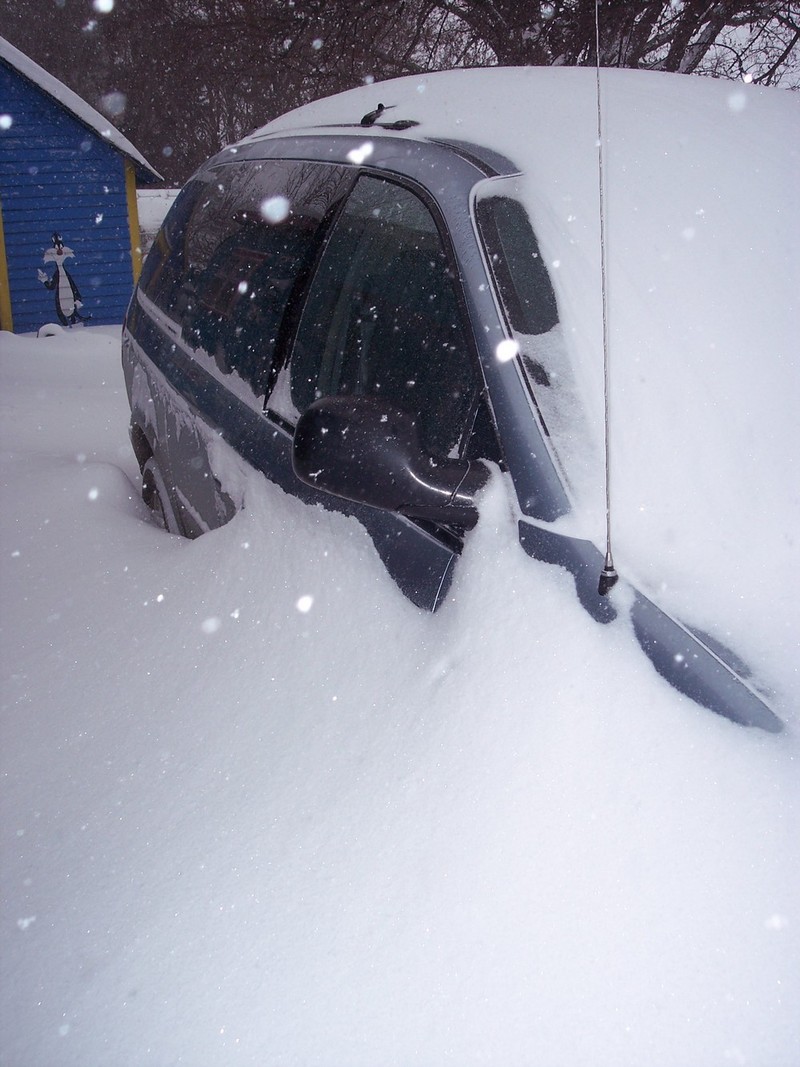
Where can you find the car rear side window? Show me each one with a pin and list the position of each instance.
(382, 317)
(246, 245)
(165, 266)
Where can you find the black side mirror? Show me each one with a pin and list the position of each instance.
(364, 449)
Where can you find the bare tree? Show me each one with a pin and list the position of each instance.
(685, 36)
(183, 77)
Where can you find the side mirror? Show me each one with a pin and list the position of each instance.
(364, 449)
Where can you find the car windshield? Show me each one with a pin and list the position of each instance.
(530, 308)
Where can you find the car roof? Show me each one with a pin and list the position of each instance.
(440, 105)
(690, 165)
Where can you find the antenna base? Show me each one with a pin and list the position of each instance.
(608, 577)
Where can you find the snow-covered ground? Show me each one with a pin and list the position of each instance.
(238, 831)
(152, 206)
(259, 809)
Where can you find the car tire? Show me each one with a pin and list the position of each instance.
(157, 498)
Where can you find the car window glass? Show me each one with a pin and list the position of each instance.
(252, 240)
(250, 236)
(165, 264)
(517, 264)
(240, 297)
(382, 317)
(527, 297)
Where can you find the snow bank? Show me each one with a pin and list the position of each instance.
(153, 205)
(703, 275)
(258, 808)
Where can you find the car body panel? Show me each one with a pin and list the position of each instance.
(455, 159)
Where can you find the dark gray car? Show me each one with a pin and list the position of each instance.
(372, 326)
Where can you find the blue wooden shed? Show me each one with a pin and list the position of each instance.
(69, 229)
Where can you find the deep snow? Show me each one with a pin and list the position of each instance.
(257, 808)
(704, 274)
(237, 831)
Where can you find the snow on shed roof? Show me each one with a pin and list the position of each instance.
(70, 100)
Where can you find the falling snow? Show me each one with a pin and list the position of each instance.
(235, 830)
(275, 209)
(361, 154)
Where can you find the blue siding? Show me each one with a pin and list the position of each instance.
(57, 175)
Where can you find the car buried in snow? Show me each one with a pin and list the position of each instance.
(380, 297)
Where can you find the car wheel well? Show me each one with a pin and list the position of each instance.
(140, 444)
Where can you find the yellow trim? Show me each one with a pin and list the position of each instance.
(6, 319)
(133, 220)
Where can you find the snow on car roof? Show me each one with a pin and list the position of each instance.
(702, 234)
(716, 154)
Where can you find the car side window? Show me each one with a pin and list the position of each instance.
(241, 295)
(238, 249)
(382, 317)
(249, 245)
(165, 266)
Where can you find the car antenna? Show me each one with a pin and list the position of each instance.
(608, 576)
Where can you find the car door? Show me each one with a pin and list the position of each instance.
(210, 313)
(383, 317)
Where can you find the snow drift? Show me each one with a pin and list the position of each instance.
(258, 808)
